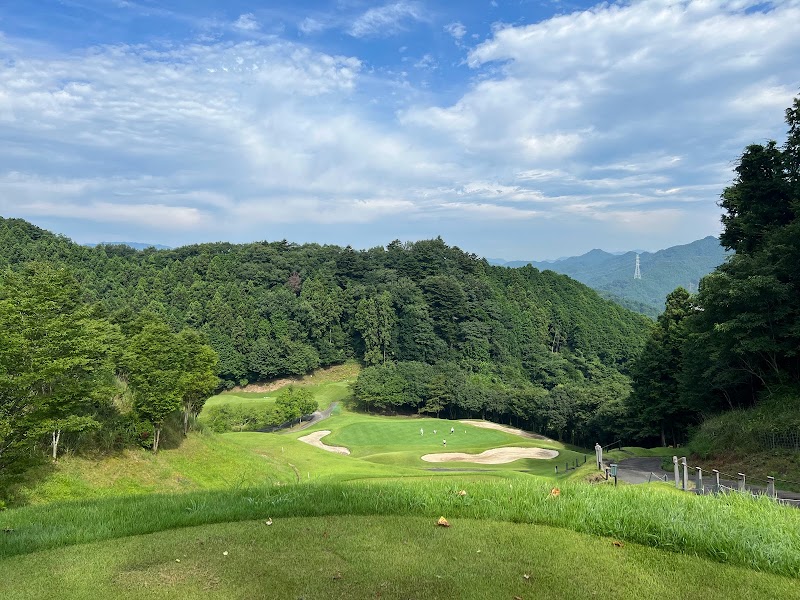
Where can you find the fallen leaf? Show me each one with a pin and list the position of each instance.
(618, 544)
(225, 553)
(177, 560)
(442, 522)
(268, 521)
(462, 493)
(555, 493)
(517, 597)
(526, 577)
(325, 535)
(337, 575)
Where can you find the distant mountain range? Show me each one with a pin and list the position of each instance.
(612, 274)
(135, 245)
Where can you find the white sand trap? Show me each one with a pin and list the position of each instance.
(315, 439)
(493, 456)
(505, 428)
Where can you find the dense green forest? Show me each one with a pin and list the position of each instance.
(663, 271)
(439, 330)
(736, 344)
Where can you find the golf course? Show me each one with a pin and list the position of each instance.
(274, 515)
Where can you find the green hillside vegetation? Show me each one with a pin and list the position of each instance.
(535, 348)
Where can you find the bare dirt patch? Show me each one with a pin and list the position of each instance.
(505, 428)
(315, 439)
(493, 456)
(322, 375)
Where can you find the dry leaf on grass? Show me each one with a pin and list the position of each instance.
(442, 522)
(526, 577)
(618, 544)
(268, 521)
(555, 493)
(337, 575)
(462, 493)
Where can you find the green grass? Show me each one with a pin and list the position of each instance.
(221, 483)
(325, 394)
(376, 557)
(745, 531)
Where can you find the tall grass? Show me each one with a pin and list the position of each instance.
(740, 530)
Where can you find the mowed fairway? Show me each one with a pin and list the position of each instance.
(325, 394)
(398, 441)
(376, 557)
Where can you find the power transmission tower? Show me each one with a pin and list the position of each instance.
(637, 274)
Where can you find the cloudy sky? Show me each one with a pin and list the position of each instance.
(513, 129)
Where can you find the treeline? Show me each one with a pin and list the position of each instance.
(737, 342)
(69, 370)
(271, 309)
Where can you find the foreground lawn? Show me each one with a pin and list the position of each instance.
(740, 530)
(376, 557)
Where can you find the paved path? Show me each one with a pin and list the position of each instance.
(639, 469)
(316, 417)
(644, 469)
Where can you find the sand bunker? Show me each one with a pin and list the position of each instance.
(315, 439)
(505, 428)
(494, 456)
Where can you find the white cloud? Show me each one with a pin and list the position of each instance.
(310, 25)
(247, 22)
(427, 62)
(386, 20)
(457, 30)
(628, 116)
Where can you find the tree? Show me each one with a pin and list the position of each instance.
(655, 405)
(375, 321)
(746, 334)
(55, 357)
(154, 372)
(198, 379)
(295, 401)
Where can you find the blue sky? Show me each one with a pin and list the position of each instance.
(521, 130)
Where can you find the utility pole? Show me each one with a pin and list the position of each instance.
(637, 274)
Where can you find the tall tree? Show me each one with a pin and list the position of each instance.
(55, 360)
(198, 379)
(155, 374)
(655, 407)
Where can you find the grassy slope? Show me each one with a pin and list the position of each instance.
(395, 483)
(324, 393)
(375, 557)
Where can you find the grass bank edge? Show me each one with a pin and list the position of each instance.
(748, 532)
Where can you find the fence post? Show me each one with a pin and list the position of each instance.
(742, 482)
(771, 488)
(598, 451)
(677, 477)
(685, 474)
(716, 481)
(556, 469)
(699, 481)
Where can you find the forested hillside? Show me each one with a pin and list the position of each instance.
(663, 271)
(452, 334)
